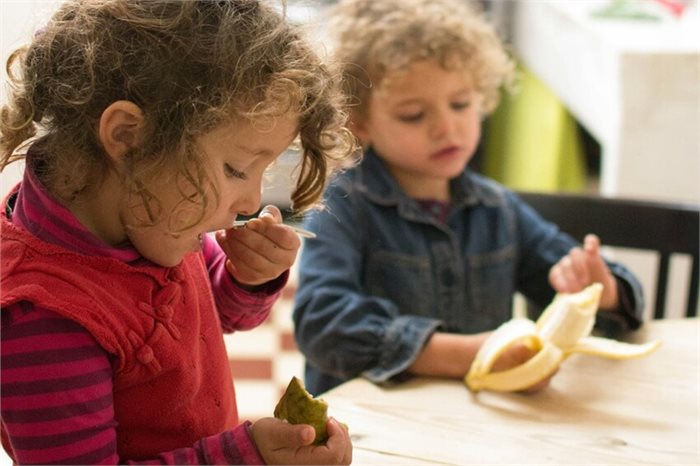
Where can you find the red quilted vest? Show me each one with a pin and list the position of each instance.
(172, 382)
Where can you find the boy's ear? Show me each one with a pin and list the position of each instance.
(120, 128)
(359, 129)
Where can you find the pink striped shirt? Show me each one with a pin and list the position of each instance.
(56, 399)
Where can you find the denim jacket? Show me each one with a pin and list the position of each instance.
(383, 274)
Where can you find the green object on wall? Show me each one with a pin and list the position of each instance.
(625, 9)
(532, 142)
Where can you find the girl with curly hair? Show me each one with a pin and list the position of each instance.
(145, 126)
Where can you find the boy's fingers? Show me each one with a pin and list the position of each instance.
(568, 272)
(579, 265)
(591, 244)
(558, 279)
(595, 260)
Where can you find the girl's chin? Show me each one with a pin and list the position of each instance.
(167, 263)
(171, 258)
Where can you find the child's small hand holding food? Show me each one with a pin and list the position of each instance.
(302, 432)
(261, 251)
(280, 442)
(580, 268)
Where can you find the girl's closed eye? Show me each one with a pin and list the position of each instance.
(231, 172)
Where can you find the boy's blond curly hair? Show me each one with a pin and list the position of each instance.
(374, 37)
(189, 65)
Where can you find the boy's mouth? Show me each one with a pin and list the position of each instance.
(445, 152)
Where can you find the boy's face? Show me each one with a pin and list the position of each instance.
(425, 123)
(236, 154)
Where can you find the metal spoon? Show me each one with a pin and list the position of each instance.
(299, 231)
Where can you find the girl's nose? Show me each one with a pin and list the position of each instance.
(247, 202)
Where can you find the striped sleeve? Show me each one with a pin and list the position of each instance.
(56, 399)
(238, 309)
(56, 394)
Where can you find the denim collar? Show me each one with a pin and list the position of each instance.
(377, 184)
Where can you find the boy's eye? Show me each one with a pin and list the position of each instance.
(231, 172)
(461, 105)
(411, 118)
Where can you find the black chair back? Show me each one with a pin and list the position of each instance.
(665, 227)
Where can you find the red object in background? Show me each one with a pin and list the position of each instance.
(675, 6)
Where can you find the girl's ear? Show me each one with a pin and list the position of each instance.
(120, 128)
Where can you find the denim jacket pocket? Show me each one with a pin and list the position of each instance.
(402, 278)
(490, 287)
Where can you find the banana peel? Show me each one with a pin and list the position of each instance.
(297, 406)
(563, 329)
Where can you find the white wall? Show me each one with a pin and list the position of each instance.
(18, 21)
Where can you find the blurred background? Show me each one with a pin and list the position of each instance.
(608, 103)
(608, 99)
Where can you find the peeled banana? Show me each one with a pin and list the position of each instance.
(563, 329)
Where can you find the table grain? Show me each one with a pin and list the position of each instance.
(596, 411)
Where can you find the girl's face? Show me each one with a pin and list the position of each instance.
(425, 124)
(236, 155)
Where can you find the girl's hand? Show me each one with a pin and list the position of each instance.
(580, 268)
(262, 250)
(282, 443)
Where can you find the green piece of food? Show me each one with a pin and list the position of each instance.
(297, 406)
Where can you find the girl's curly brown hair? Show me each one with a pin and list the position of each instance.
(189, 65)
(374, 38)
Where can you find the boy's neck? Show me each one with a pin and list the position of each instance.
(424, 189)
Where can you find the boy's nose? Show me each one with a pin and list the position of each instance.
(440, 125)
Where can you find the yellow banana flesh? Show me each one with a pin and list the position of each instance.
(613, 349)
(563, 329)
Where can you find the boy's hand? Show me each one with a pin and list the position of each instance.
(515, 356)
(262, 250)
(280, 442)
(580, 268)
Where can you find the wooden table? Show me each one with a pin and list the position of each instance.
(596, 411)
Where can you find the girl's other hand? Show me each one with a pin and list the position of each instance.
(262, 250)
(282, 443)
(580, 268)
